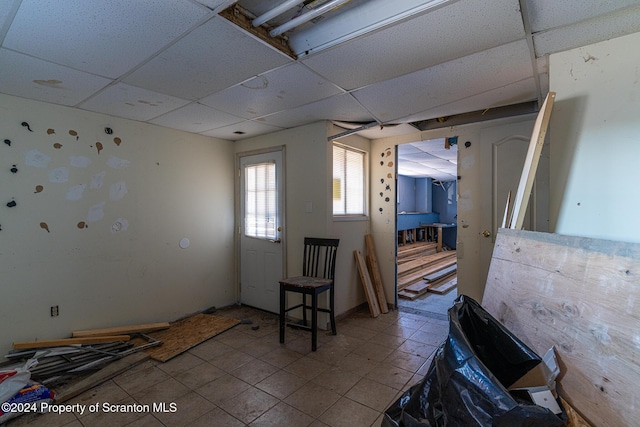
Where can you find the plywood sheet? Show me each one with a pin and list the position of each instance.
(187, 333)
(582, 296)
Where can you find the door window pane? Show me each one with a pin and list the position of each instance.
(260, 201)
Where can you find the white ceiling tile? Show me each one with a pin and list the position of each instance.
(103, 38)
(342, 107)
(122, 100)
(407, 149)
(6, 12)
(196, 118)
(548, 14)
(420, 157)
(33, 78)
(444, 83)
(588, 32)
(447, 33)
(428, 146)
(213, 57)
(242, 130)
(521, 91)
(275, 91)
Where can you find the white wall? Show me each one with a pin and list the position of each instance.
(595, 140)
(177, 185)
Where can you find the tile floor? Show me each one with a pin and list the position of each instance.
(245, 377)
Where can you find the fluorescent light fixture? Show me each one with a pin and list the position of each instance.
(276, 11)
(307, 17)
(367, 16)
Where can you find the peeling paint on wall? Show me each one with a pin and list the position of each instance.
(75, 193)
(96, 212)
(79, 161)
(58, 175)
(117, 163)
(117, 191)
(97, 180)
(36, 159)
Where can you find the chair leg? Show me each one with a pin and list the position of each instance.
(314, 322)
(282, 312)
(304, 309)
(332, 317)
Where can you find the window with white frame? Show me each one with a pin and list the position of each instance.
(348, 181)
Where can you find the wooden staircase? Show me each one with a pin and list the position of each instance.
(422, 269)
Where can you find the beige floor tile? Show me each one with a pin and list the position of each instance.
(329, 354)
(347, 413)
(307, 367)
(190, 407)
(407, 361)
(387, 340)
(434, 338)
(146, 421)
(417, 348)
(141, 380)
(281, 384)
(282, 415)
(217, 417)
(180, 363)
(222, 388)
(210, 349)
(200, 375)
(261, 346)
(357, 363)
(105, 392)
(232, 360)
(165, 391)
(249, 405)
(372, 394)
(337, 379)
(390, 375)
(400, 330)
(49, 420)
(281, 357)
(254, 372)
(115, 415)
(312, 399)
(234, 338)
(356, 331)
(374, 351)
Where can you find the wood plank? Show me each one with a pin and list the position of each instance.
(74, 388)
(443, 288)
(69, 341)
(417, 288)
(442, 273)
(582, 296)
(416, 276)
(408, 295)
(376, 275)
(507, 213)
(366, 284)
(531, 163)
(421, 262)
(121, 330)
(187, 333)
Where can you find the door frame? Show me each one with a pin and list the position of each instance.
(238, 219)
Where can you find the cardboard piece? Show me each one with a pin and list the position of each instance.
(539, 384)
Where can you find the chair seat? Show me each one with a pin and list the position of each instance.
(306, 282)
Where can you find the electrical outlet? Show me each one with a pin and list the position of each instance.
(54, 311)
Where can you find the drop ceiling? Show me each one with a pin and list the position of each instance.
(179, 64)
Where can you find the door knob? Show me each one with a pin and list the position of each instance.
(274, 241)
(486, 233)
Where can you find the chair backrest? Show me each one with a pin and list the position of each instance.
(320, 257)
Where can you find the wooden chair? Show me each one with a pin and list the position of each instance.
(318, 272)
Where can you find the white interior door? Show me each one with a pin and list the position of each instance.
(261, 229)
(503, 151)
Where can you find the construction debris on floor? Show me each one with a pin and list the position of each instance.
(90, 357)
(422, 269)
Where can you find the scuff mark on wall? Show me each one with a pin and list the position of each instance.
(44, 226)
(39, 189)
(117, 141)
(99, 146)
(82, 225)
(57, 146)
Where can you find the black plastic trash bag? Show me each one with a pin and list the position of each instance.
(466, 384)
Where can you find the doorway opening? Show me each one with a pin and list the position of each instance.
(426, 224)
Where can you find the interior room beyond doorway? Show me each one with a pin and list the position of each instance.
(427, 226)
